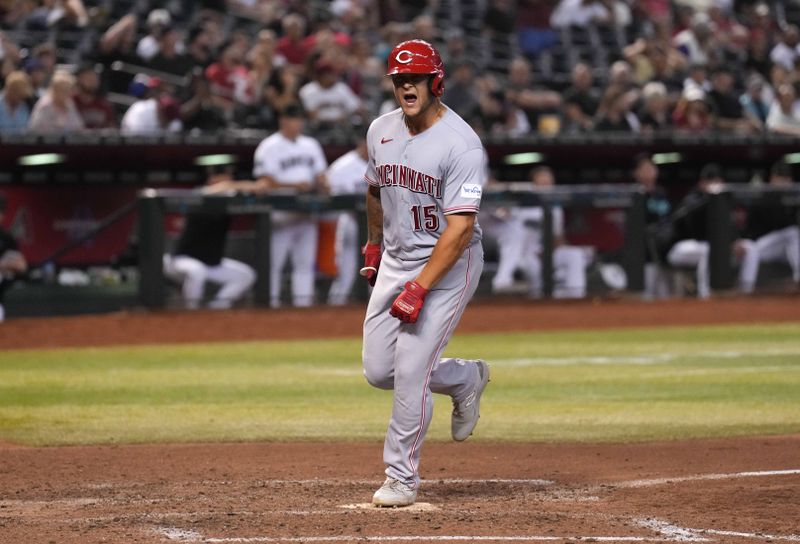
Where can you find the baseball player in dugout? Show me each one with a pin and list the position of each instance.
(289, 161)
(424, 258)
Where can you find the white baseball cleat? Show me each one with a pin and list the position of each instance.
(394, 493)
(467, 412)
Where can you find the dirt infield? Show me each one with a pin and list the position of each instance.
(715, 490)
(327, 322)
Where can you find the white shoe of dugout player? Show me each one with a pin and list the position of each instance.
(467, 412)
(394, 493)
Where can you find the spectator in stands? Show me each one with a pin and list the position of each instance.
(291, 45)
(199, 47)
(581, 100)
(56, 111)
(170, 57)
(697, 43)
(42, 61)
(697, 78)
(154, 112)
(753, 102)
(654, 58)
(691, 113)
(14, 110)
(200, 112)
(424, 28)
(119, 42)
(786, 52)
(9, 55)
(455, 50)
(535, 101)
(783, 117)
(774, 227)
(462, 95)
(497, 116)
(58, 13)
(726, 109)
(158, 21)
(39, 78)
(615, 113)
(655, 115)
(282, 88)
(657, 210)
(230, 79)
(199, 257)
(12, 262)
(328, 101)
(94, 108)
(581, 13)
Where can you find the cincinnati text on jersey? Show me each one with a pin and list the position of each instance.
(398, 175)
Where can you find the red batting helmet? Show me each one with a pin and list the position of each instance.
(418, 57)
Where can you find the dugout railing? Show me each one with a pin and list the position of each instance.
(155, 204)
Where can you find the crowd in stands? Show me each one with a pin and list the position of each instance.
(513, 68)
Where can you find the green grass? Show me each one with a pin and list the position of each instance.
(619, 385)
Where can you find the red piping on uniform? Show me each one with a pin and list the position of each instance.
(436, 353)
(461, 209)
(371, 182)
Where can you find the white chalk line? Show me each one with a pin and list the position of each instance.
(632, 484)
(643, 359)
(434, 481)
(685, 534)
(181, 535)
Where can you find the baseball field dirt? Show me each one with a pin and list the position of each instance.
(702, 490)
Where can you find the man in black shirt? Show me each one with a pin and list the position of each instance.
(12, 262)
(726, 107)
(657, 209)
(199, 257)
(774, 227)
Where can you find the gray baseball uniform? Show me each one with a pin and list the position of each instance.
(422, 178)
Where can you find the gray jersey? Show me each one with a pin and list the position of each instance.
(423, 178)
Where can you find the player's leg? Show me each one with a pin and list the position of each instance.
(280, 245)
(304, 262)
(380, 328)
(782, 245)
(235, 277)
(793, 251)
(346, 259)
(693, 253)
(570, 263)
(418, 370)
(194, 274)
(748, 267)
(510, 240)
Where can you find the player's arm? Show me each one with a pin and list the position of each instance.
(374, 216)
(448, 249)
(268, 183)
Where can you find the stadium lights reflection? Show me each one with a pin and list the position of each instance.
(41, 159)
(523, 158)
(792, 158)
(666, 158)
(215, 160)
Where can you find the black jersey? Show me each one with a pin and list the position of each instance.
(203, 237)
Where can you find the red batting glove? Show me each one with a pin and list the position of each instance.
(372, 261)
(407, 306)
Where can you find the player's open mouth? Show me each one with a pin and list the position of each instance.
(410, 99)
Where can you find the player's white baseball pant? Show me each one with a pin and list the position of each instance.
(296, 241)
(693, 253)
(778, 246)
(656, 282)
(234, 278)
(405, 357)
(511, 240)
(347, 257)
(569, 270)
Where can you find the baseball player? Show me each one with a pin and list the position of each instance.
(657, 209)
(291, 161)
(12, 262)
(520, 246)
(346, 176)
(774, 227)
(198, 258)
(424, 255)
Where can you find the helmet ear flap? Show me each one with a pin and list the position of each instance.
(437, 83)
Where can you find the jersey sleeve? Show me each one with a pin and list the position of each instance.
(464, 181)
(263, 162)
